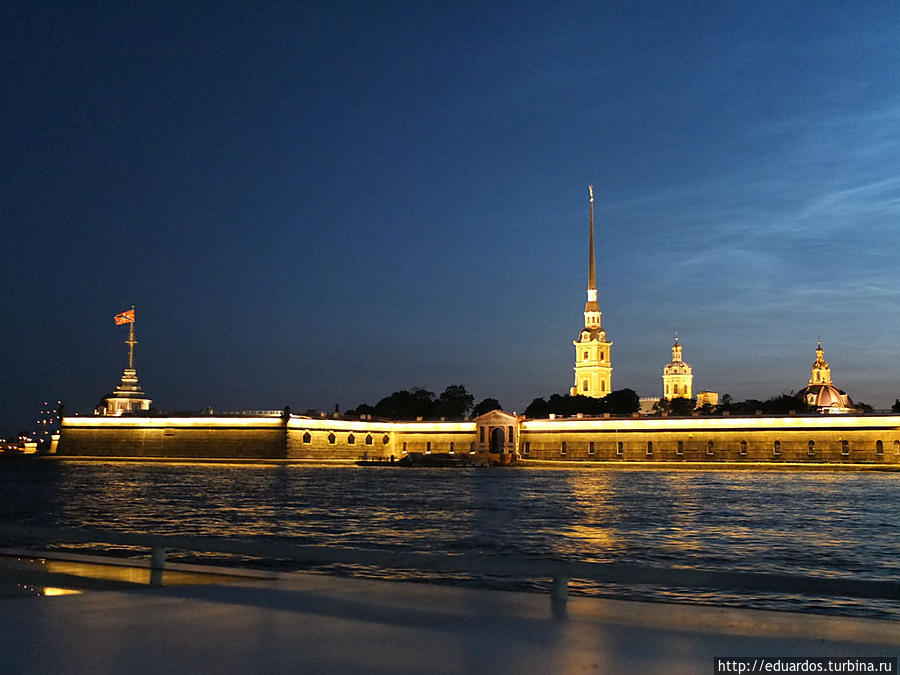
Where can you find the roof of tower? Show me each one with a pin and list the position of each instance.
(595, 334)
(825, 396)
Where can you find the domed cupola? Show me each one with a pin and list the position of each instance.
(820, 392)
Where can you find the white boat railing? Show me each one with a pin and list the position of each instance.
(559, 571)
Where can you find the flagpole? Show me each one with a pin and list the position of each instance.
(131, 341)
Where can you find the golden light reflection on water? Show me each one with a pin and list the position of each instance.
(35, 569)
(52, 591)
(773, 521)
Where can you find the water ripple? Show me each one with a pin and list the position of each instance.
(827, 524)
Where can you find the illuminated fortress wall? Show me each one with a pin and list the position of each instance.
(821, 439)
(350, 439)
(179, 437)
(257, 437)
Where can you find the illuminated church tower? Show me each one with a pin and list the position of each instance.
(821, 391)
(678, 376)
(593, 370)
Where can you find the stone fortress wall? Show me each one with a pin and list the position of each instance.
(873, 439)
(846, 439)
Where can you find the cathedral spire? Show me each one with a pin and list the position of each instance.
(593, 367)
(592, 271)
(591, 305)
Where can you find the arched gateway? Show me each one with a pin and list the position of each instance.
(498, 439)
(497, 432)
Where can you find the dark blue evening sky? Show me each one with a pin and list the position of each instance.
(313, 204)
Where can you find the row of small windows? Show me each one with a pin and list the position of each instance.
(620, 448)
(710, 448)
(601, 355)
(351, 439)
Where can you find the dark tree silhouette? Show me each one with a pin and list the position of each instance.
(360, 410)
(455, 402)
(537, 408)
(681, 406)
(623, 402)
(487, 405)
(406, 405)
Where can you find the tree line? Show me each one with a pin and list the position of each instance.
(454, 403)
(619, 402)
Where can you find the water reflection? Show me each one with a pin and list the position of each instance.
(835, 524)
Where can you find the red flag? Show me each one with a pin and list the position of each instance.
(124, 317)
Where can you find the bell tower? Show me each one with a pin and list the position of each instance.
(820, 373)
(678, 376)
(593, 367)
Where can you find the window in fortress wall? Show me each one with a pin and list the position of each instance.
(472, 448)
(743, 447)
(369, 439)
(452, 447)
(776, 449)
(649, 448)
(404, 447)
(845, 448)
(527, 447)
(679, 449)
(620, 448)
(351, 439)
(562, 448)
(811, 449)
(709, 448)
(879, 447)
(307, 437)
(897, 447)
(591, 448)
(428, 448)
(385, 439)
(331, 439)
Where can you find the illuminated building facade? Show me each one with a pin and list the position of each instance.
(707, 398)
(678, 376)
(128, 397)
(593, 351)
(820, 392)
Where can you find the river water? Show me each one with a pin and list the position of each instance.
(822, 523)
